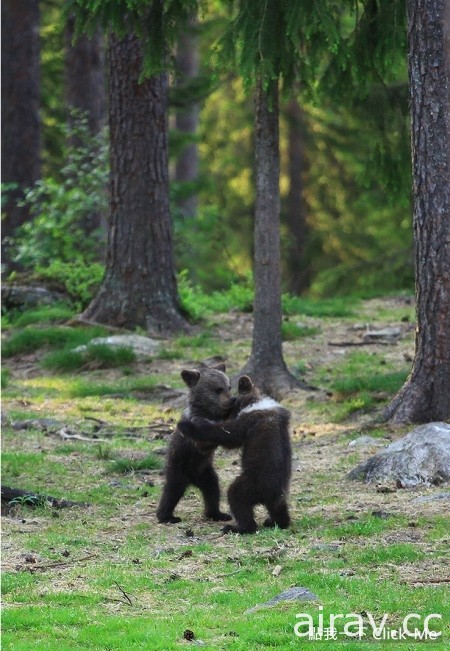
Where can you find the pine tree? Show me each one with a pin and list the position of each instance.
(139, 287)
(266, 38)
(21, 125)
(426, 395)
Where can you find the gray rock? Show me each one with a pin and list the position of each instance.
(432, 498)
(366, 441)
(385, 335)
(422, 457)
(292, 594)
(26, 296)
(142, 346)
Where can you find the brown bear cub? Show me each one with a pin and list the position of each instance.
(188, 462)
(260, 426)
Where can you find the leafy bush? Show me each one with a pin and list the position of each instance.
(79, 280)
(198, 303)
(61, 208)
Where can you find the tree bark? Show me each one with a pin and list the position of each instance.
(139, 287)
(266, 365)
(426, 395)
(21, 126)
(187, 118)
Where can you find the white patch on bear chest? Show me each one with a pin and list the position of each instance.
(264, 404)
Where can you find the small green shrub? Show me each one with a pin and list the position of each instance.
(60, 208)
(85, 388)
(197, 303)
(79, 280)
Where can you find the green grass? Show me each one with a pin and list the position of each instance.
(291, 331)
(33, 338)
(46, 314)
(83, 388)
(95, 355)
(189, 576)
(124, 466)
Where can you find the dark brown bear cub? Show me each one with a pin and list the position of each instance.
(191, 463)
(260, 426)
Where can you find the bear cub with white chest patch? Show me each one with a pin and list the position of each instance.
(191, 463)
(260, 426)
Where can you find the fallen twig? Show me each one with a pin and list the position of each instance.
(125, 594)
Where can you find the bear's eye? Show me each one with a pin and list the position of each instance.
(218, 391)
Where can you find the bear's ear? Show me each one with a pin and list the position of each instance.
(190, 377)
(219, 367)
(245, 384)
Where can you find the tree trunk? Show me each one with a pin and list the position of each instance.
(298, 276)
(426, 395)
(139, 287)
(187, 118)
(266, 365)
(85, 82)
(21, 126)
(85, 92)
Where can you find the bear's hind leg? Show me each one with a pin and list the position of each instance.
(278, 515)
(173, 491)
(208, 482)
(241, 503)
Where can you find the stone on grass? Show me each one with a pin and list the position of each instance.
(292, 594)
(366, 441)
(24, 297)
(421, 458)
(141, 346)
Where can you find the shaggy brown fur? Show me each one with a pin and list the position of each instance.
(189, 462)
(260, 426)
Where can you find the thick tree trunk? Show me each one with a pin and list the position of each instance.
(426, 395)
(21, 126)
(139, 288)
(298, 277)
(187, 119)
(266, 365)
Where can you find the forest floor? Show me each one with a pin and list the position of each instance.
(107, 576)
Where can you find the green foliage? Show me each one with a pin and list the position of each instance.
(79, 280)
(61, 208)
(95, 355)
(197, 303)
(156, 23)
(280, 39)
